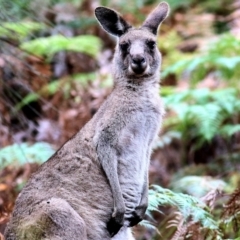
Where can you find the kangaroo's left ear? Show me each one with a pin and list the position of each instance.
(156, 17)
(111, 21)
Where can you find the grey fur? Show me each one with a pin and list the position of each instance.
(100, 176)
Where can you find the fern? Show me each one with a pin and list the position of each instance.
(189, 207)
(51, 88)
(231, 214)
(192, 218)
(228, 130)
(221, 56)
(19, 30)
(19, 154)
(202, 114)
(48, 46)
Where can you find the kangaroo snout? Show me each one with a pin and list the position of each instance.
(138, 64)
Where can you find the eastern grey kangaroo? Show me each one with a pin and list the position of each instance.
(96, 185)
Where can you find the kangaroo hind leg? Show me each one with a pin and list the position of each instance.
(52, 219)
(65, 222)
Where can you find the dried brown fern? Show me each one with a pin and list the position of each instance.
(178, 223)
(187, 229)
(231, 212)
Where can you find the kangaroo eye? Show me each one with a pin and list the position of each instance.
(151, 44)
(124, 46)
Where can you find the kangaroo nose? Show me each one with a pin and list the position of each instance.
(138, 59)
(138, 64)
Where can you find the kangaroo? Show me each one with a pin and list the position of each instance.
(96, 185)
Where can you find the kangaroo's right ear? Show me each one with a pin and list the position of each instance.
(111, 21)
(156, 17)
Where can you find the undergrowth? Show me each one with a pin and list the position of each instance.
(220, 57)
(197, 117)
(193, 218)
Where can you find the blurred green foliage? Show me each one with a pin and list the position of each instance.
(22, 153)
(221, 57)
(202, 114)
(168, 44)
(19, 30)
(16, 10)
(187, 205)
(198, 186)
(48, 46)
(64, 85)
(189, 210)
(215, 6)
(194, 218)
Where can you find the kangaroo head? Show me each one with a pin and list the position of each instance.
(136, 52)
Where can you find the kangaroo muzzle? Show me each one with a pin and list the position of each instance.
(138, 64)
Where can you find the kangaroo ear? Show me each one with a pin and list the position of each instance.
(111, 21)
(156, 17)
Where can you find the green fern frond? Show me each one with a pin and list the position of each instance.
(221, 56)
(202, 114)
(20, 154)
(189, 206)
(228, 130)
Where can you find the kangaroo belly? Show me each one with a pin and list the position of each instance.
(134, 148)
(133, 166)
